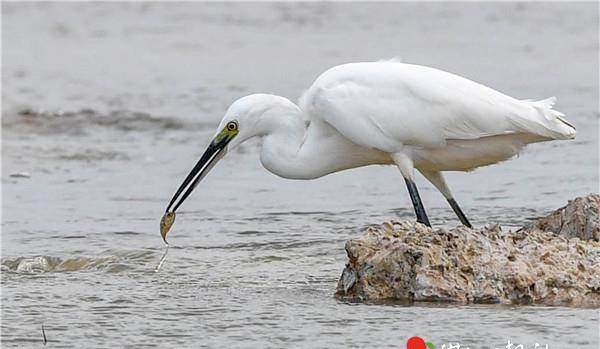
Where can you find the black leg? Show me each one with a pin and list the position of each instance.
(459, 213)
(416, 200)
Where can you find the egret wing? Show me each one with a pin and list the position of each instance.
(387, 105)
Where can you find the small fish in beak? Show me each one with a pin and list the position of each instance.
(165, 225)
(166, 222)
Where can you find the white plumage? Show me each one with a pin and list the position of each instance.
(389, 112)
(414, 105)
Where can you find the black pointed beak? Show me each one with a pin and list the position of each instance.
(215, 152)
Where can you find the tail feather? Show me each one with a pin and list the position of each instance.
(549, 122)
(547, 103)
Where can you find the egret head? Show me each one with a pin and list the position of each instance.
(247, 117)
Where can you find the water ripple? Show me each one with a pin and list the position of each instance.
(115, 263)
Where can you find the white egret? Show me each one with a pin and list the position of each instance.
(383, 113)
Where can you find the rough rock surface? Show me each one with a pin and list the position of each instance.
(580, 218)
(554, 261)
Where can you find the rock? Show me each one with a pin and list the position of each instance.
(578, 219)
(554, 261)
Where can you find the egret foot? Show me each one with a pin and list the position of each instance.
(459, 213)
(417, 204)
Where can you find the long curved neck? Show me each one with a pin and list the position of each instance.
(294, 149)
(285, 134)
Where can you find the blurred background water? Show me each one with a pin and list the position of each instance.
(106, 107)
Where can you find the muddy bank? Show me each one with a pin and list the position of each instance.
(553, 261)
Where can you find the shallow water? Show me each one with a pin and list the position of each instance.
(106, 107)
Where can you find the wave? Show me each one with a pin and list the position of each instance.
(111, 263)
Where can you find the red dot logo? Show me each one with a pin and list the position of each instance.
(416, 343)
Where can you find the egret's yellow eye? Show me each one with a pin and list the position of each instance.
(232, 126)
